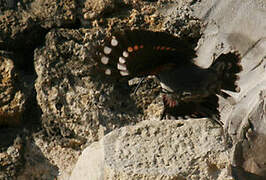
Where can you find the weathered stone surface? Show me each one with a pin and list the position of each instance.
(192, 149)
(12, 93)
(74, 103)
(25, 27)
(40, 158)
(244, 31)
(95, 8)
(250, 149)
(225, 31)
(15, 92)
(22, 29)
(67, 90)
(53, 13)
(80, 107)
(11, 153)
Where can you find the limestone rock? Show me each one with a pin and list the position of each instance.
(12, 94)
(11, 153)
(245, 32)
(24, 27)
(249, 153)
(192, 149)
(80, 107)
(74, 102)
(94, 8)
(225, 30)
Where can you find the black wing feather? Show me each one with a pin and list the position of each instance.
(151, 52)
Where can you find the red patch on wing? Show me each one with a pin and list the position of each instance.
(169, 101)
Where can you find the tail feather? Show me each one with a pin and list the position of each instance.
(227, 67)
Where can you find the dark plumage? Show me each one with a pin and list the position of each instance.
(187, 88)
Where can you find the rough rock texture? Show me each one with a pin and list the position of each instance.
(249, 152)
(157, 150)
(11, 150)
(53, 42)
(21, 30)
(93, 9)
(75, 104)
(23, 27)
(246, 112)
(12, 97)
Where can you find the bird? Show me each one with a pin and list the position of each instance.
(187, 89)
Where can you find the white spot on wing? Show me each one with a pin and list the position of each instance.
(166, 88)
(105, 60)
(125, 54)
(122, 60)
(124, 73)
(108, 72)
(114, 42)
(121, 67)
(107, 50)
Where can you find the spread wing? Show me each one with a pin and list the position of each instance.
(140, 53)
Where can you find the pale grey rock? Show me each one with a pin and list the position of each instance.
(187, 149)
(249, 150)
(237, 25)
(240, 25)
(90, 165)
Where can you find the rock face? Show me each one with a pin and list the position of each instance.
(244, 32)
(222, 33)
(157, 150)
(68, 94)
(54, 102)
(12, 98)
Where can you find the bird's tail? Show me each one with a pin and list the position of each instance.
(227, 67)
